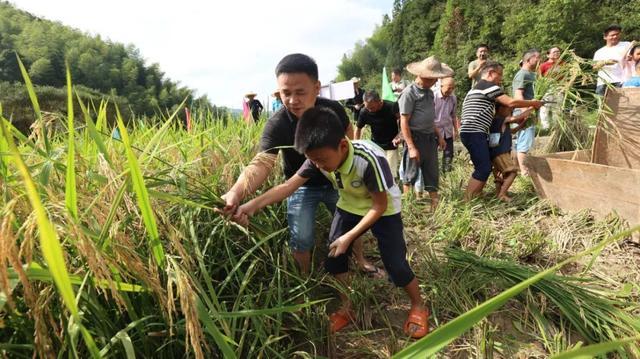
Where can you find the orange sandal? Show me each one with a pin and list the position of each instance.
(340, 319)
(420, 319)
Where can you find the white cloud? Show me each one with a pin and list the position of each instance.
(223, 48)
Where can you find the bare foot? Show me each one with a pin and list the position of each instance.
(505, 198)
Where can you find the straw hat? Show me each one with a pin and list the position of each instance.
(355, 79)
(250, 94)
(430, 68)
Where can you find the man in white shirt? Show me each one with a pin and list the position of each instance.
(609, 59)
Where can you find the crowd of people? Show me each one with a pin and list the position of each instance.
(325, 161)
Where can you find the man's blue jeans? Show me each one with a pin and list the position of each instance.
(301, 214)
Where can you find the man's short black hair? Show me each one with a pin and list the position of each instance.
(371, 95)
(317, 128)
(481, 46)
(491, 66)
(612, 27)
(296, 64)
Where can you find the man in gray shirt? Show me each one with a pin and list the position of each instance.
(417, 116)
(523, 90)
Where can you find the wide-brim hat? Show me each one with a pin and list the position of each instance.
(430, 68)
(355, 79)
(250, 93)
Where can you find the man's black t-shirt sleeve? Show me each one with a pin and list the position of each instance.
(271, 137)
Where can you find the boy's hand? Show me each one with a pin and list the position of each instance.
(441, 143)
(339, 246)
(241, 216)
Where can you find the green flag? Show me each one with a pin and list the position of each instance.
(387, 91)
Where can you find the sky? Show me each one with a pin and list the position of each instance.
(227, 48)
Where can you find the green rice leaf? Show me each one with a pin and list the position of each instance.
(142, 196)
(35, 272)
(211, 328)
(33, 98)
(93, 131)
(591, 351)
(70, 195)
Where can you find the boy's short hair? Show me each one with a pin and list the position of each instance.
(371, 95)
(481, 46)
(612, 27)
(296, 64)
(397, 71)
(317, 128)
(491, 66)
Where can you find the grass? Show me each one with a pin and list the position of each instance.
(153, 271)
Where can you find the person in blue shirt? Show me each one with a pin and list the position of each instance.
(634, 81)
(276, 104)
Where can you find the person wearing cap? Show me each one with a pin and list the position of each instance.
(277, 102)
(255, 107)
(478, 109)
(356, 103)
(417, 122)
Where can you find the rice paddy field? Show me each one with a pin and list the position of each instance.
(113, 248)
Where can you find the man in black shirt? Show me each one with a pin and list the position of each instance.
(254, 106)
(297, 77)
(382, 117)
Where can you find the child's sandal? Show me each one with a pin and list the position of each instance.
(418, 318)
(340, 319)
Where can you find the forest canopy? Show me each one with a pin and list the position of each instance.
(99, 68)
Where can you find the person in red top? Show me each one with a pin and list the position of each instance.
(548, 68)
(553, 60)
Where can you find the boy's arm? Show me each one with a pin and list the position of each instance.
(340, 245)
(274, 195)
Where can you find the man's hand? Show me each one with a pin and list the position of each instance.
(442, 144)
(414, 154)
(232, 201)
(537, 104)
(339, 246)
(397, 140)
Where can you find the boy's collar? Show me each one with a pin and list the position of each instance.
(346, 166)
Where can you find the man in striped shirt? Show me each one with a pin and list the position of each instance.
(478, 110)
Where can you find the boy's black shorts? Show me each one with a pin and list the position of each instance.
(388, 232)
